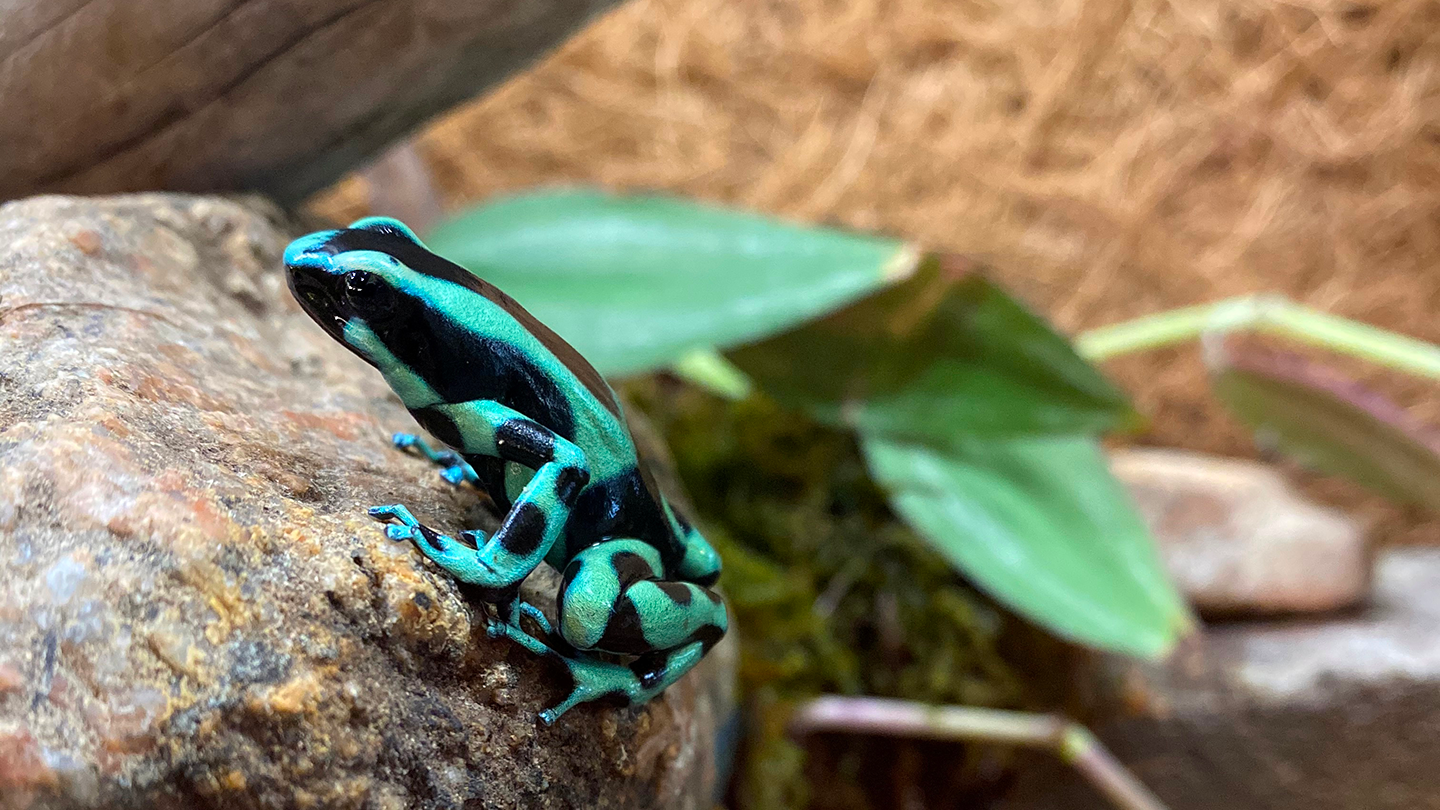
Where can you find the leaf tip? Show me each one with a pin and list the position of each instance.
(1162, 644)
(902, 265)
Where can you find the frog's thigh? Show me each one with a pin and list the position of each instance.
(615, 598)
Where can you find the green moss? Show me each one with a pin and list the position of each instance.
(830, 592)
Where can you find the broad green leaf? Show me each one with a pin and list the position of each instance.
(1328, 422)
(945, 353)
(635, 282)
(1040, 524)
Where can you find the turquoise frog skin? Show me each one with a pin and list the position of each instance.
(532, 424)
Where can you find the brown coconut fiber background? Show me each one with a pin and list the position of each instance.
(1107, 159)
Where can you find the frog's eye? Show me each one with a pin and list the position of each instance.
(367, 294)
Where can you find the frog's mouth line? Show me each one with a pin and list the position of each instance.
(313, 288)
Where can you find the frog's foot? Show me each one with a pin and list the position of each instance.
(513, 630)
(497, 627)
(406, 527)
(590, 678)
(456, 556)
(453, 468)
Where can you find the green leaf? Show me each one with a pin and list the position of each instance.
(635, 282)
(945, 353)
(1326, 421)
(1041, 525)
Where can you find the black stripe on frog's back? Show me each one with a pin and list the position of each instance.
(417, 258)
(462, 366)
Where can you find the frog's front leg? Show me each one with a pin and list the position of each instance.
(616, 598)
(453, 468)
(538, 515)
(453, 555)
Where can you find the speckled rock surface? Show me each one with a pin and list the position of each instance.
(195, 610)
(1339, 713)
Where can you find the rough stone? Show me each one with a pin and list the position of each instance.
(1314, 714)
(195, 610)
(1238, 539)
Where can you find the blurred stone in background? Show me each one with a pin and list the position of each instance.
(1331, 714)
(1239, 541)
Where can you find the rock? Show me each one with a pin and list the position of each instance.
(1238, 539)
(126, 95)
(195, 610)
(1329, 714)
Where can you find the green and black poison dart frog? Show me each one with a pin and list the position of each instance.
(538, 429)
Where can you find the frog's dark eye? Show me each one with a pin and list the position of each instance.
(367, 294)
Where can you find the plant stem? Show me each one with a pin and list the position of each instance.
(1146, 332)
(1355, 339)
(1071, 741)
(710, 370)
(1271, 315)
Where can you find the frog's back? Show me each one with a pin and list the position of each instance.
(545, 378)
(492, 348)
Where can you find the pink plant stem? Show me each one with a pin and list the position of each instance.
(1071, 741)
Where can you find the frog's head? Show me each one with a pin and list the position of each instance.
(346, 278)
(378, 290)
(372, 286)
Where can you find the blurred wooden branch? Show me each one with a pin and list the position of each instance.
(400, 186)
(205, 95)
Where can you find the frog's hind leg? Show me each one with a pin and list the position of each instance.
(629, 685)
(616, 599)
(593, 678)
